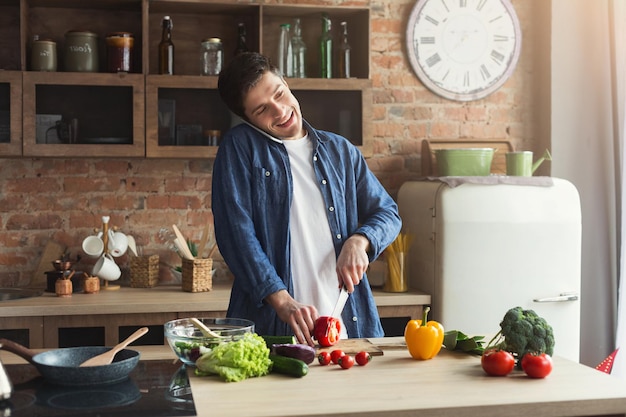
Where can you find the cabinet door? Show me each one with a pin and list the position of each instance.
(10, 113)
(80, 114)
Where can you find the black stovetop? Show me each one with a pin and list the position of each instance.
(154, 389)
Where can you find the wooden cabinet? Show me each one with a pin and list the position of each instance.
(10, 113)
(109, 316)
(109, 114)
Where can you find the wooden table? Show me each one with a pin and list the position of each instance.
(111, 310)
(449, 385)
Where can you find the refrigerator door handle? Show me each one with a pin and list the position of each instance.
(564, 296)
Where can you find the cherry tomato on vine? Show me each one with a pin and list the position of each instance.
(346, 361)
(363, 358)
(537, 365)
(324, 358)
(497, 362)
(335, 355)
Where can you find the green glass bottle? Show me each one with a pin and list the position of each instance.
(326, 49)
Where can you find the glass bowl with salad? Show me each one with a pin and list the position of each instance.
(190, 338)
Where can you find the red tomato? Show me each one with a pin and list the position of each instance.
(335, 355)
(327, 330)
(363, 358)
(537, 365)
(346, 361)
(324, 358)
(497, 362)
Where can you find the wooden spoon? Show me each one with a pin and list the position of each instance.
(204, 329)
(107, 357)
(182, 244)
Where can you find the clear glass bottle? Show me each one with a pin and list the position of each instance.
(241, 39)
(326, 49)
(166, 48)
(299, 51)
(212, 57)
(343, 56)
(285, 51)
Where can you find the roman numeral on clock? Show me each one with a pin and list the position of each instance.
(497, 56)
(432, 20)
(433, 60)
(484, 72)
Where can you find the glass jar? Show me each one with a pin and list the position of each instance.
(212, 56)
(211, 137)
(81, 51)
(43, 55)
(120, 51)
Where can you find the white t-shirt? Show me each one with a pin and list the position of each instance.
(313, 261)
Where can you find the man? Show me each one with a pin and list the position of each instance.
(297, 212)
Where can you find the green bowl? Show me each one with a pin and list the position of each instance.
(464, 162)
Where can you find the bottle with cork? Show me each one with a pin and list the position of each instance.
(343, 55)
(241, 39)
(166, 48)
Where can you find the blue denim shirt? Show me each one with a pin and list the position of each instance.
(251, 196)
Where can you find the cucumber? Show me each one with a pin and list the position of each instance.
(288, 366)
(278, 340)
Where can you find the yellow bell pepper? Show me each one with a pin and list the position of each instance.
(424, 339)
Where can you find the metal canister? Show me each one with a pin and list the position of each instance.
(120, 51)
(43, 55)
(81, 51)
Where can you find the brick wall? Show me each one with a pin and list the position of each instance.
(64, 199)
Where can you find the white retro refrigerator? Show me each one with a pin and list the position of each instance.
(479, 250)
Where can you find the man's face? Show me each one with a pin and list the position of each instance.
(271, 107)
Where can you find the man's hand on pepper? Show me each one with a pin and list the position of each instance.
(300, 317)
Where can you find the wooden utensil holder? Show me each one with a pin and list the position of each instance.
(197, 275)
(144, 271)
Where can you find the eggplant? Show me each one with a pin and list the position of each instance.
(295, 350)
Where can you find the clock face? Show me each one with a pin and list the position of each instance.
(463, 49)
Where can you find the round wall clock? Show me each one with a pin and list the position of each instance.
(463, 49)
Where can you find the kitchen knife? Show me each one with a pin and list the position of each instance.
(341, 302)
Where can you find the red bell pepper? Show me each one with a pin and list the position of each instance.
(327, 331)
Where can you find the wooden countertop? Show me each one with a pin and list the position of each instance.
(449, 385)
(158, 299)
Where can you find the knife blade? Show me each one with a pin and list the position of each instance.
(341, 302)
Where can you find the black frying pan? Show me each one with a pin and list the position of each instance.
(61, 366)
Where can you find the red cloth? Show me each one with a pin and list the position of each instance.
(607, 364)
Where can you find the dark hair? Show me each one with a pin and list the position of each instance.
(243, 73)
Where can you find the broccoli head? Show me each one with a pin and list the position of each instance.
(524, 331)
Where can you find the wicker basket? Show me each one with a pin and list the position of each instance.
(144, 271)
(197, 275)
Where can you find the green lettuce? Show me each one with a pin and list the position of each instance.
(237, 360)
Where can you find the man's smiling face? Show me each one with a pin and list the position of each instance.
(271, 107)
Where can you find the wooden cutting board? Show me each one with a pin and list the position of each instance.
(51, 253)
(354, 346)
